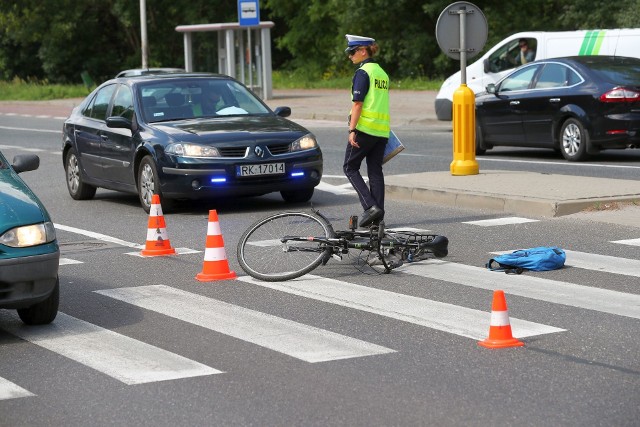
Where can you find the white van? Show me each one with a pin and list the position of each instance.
(501, 59)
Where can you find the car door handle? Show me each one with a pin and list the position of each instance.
(514, 103)
(554, 100)
(104, 137)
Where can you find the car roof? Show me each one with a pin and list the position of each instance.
(171, 76)
(145, 71)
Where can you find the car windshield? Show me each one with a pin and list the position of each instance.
(184, 99)
(620, 71)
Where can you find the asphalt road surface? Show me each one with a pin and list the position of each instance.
(139, 341)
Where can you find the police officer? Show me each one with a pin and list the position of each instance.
(368, 127)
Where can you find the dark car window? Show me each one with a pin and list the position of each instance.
(556, 75)
(97, 108)
(187, 99)
(622, 71)
(123, 103)
(519, 80)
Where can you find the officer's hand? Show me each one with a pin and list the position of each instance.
(352, 140)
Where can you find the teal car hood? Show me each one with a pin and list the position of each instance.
(18, 204)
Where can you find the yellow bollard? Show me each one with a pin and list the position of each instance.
(464, 132)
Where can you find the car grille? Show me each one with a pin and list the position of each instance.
(233, 151)
(276, 149)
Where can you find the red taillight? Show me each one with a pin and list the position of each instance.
(620, 94)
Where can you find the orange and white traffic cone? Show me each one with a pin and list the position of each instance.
(500, 329)
(216, 266)
(158, 243)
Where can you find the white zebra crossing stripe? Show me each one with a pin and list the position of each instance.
(69, 261)
(603, 300)
(335, 189)
(284, 336)
(9, 390)
(500, 221)
(608, 264)
(118, 356)
(630, 242)
(445, 317)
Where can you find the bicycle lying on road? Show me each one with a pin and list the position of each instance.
(287, 245)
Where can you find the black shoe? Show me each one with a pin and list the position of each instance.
(370, 215)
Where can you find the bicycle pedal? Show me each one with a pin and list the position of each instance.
(353, 222)
(337, 257)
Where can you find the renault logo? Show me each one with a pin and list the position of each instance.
(259, 151)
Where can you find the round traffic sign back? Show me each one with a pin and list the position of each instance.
(448, 29)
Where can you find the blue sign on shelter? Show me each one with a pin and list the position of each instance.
(248, 12)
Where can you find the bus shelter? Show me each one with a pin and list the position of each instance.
(244, 52)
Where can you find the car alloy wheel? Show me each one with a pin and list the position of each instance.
(147, 179)
(78, 190)
(574, 140)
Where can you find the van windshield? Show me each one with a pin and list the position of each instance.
(510, 55)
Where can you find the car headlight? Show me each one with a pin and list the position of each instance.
(192, 150)
(305, 143)
(29, 235)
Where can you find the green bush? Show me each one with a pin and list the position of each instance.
(20, 90)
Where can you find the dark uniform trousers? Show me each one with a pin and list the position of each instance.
(371, 149)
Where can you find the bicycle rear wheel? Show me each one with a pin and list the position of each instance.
(263, 255)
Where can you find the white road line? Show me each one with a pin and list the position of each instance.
(606, 263)
(31, 130)
(500, 221)
(445, 317)
(118, 356)
(9, 390)
(407, 229)
(15, 147)
(630, 242)
(335, 189)
(98, 236)
(105, 238)
(284, 336)
(69, 261)
(179, 251)
(602, 300)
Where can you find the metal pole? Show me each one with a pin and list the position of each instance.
(143, 34)
(463, 45)
(250, 62)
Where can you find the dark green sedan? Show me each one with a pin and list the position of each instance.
(29, 252)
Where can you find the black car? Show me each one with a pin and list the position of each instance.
(153, 135)
(576, 105)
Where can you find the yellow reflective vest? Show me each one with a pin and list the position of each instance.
(375, 119)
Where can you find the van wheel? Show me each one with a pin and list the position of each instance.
(43, 312)
(573, 140)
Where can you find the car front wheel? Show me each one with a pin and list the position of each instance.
(480, 148)
(573, 140)
(43, 312)
(149, 184)
(297, 196)
(78, 189)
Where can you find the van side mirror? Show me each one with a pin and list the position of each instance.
(491, 88)
(485, 63)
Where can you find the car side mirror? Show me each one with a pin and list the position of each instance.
(119, 122)
(25, 163)
(283, 111)
(485, 63)
(491, 88)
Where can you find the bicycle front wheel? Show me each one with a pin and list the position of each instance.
(263, 255)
